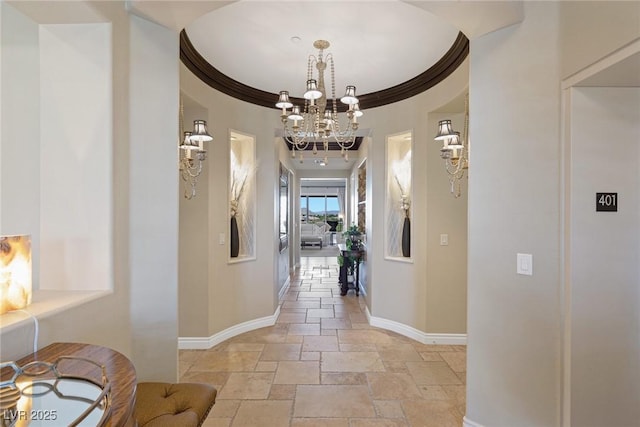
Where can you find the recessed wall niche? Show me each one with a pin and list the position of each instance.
(398, 196)
(242, 197)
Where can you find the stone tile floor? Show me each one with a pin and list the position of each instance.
(323, 365)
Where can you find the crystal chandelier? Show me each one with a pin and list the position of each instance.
(192, 153)
(455, 150)
(317, 122)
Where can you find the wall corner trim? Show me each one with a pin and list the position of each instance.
(204, 343)
(413, 333)
(283, 289)
(466, 422)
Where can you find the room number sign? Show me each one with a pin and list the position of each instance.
(606, 202)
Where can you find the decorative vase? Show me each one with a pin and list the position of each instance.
(406, 238)
(234, 238)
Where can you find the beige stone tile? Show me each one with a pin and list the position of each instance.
(361, 326)
(377, 422)
(302, 372)
(333, 401)
(216, 379)
(388, 408)
(224, 409)
(432, 373)
(456, 360)
(431, 356)
(302, 304)
(462, 376)
(217, 422)
(398, 352)
(389, 385)
(254, 413)
(358, 318)
(292, 317)
(312, 320)
(189, 356)
(434, 392)
(304, 329)
(239, 346)
(266, 366)
(294, 310)
(395, 366)
(282, 392)
(332, 300)
(340, 314)
(336, 323)
(343, 378)
(358, 347)
(320, 312)
(242, 385)
(431, 347)
(320, 343)
(276, 352)
(351, 362)
(227, 361)
(459, 347)
(314, 294)
(441, 413)
(456, 392)
(329, 332)
(294, 339)
(319, 422)
(365, 336)
(310, 355)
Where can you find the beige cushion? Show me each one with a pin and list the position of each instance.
(170, 405)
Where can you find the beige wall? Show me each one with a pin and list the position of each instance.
(140, 317)
(513, 369)
(515, 323)
(403, 292)
(592, 29)
(604, 254)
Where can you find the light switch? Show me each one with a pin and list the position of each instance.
(524, 264)
(221, 238)
(444, 240)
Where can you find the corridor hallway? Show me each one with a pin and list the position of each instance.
(322, 365)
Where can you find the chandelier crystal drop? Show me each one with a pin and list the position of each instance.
(317, 121)
(455, 150)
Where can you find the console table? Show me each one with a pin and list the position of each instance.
(119, 371)
(357, 256)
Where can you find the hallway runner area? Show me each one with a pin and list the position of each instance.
(323, 365)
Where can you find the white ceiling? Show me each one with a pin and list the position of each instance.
(375, 45)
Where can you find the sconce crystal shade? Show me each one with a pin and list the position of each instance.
(349, 97)
(283, 101)
(15, 272)
(312, 90)
(444, 130)
(200, 132)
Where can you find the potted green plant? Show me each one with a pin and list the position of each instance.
(353, 237)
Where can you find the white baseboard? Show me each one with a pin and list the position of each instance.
(284, 288)
(466, 422)
(204, 343)
(413, 333)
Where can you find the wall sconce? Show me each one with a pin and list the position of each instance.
(192, 153)
(15, 272)
(455, 149)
